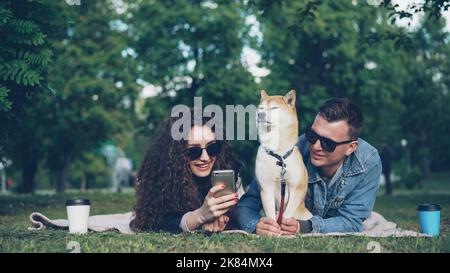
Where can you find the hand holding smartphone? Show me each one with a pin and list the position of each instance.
(225, 177)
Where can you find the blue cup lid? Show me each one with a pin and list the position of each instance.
(78, 202)
(429, 207)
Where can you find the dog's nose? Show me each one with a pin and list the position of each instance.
(261, 116)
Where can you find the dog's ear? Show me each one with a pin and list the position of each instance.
(289, 98)
(263, 95)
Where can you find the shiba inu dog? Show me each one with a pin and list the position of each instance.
(279, 166)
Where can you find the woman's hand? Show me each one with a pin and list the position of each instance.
(217, 225)
(212, 208)
(268, 226)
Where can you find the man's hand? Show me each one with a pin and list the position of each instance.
(217, 225)
(268, 226)
(289, 226)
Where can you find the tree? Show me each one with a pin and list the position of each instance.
(25, 55)
(327, 53)
(426, 95)
(94, 82)
(193, 48)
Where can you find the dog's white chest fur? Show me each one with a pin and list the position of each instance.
(267, 168)
(268, 174)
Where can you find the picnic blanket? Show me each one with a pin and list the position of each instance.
(374, 226)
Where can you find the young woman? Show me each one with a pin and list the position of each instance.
(173, 187)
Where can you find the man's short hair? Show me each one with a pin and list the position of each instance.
(337, 109)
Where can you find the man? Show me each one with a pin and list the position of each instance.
(343, 177)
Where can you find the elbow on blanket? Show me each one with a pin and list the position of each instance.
(357, 227)
(354, 225)
(342, 224)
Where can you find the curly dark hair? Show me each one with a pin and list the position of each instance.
(165, 184)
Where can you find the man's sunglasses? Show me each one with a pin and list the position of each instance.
(212, 149)
(327, 144)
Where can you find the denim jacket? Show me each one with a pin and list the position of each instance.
(340, 207)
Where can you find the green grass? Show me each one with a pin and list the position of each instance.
(400, 208)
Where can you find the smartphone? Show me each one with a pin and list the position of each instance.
(226, 177)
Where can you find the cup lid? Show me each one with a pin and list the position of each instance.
(78, 202)
(429, 207)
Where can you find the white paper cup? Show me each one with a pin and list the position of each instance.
(78, 215)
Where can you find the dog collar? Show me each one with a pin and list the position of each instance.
(280, 158)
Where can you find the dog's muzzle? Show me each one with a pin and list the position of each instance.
(262, 117)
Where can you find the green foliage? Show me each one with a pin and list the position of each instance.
(29, 33)
(89, 103)
(69, 74)
(409, 177)
(23, 60)
(19, 72)
(329, 55)
(341, 49)
(192, 49)
(25, 55)
(60, 112)
(91, 169)
(5, 16)
(425, 97)
(5, 104)
(432, 8)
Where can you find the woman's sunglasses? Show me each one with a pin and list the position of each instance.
(212, 149)
(327, 144)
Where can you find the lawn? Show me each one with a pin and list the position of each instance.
(400, 208)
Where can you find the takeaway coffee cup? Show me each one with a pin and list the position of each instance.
(78, 215)
(429, 218)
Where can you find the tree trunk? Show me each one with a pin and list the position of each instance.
(426, 166)
(425, 161)
(62, 176)
(29, 169)
(388, 183)
(83, 183)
